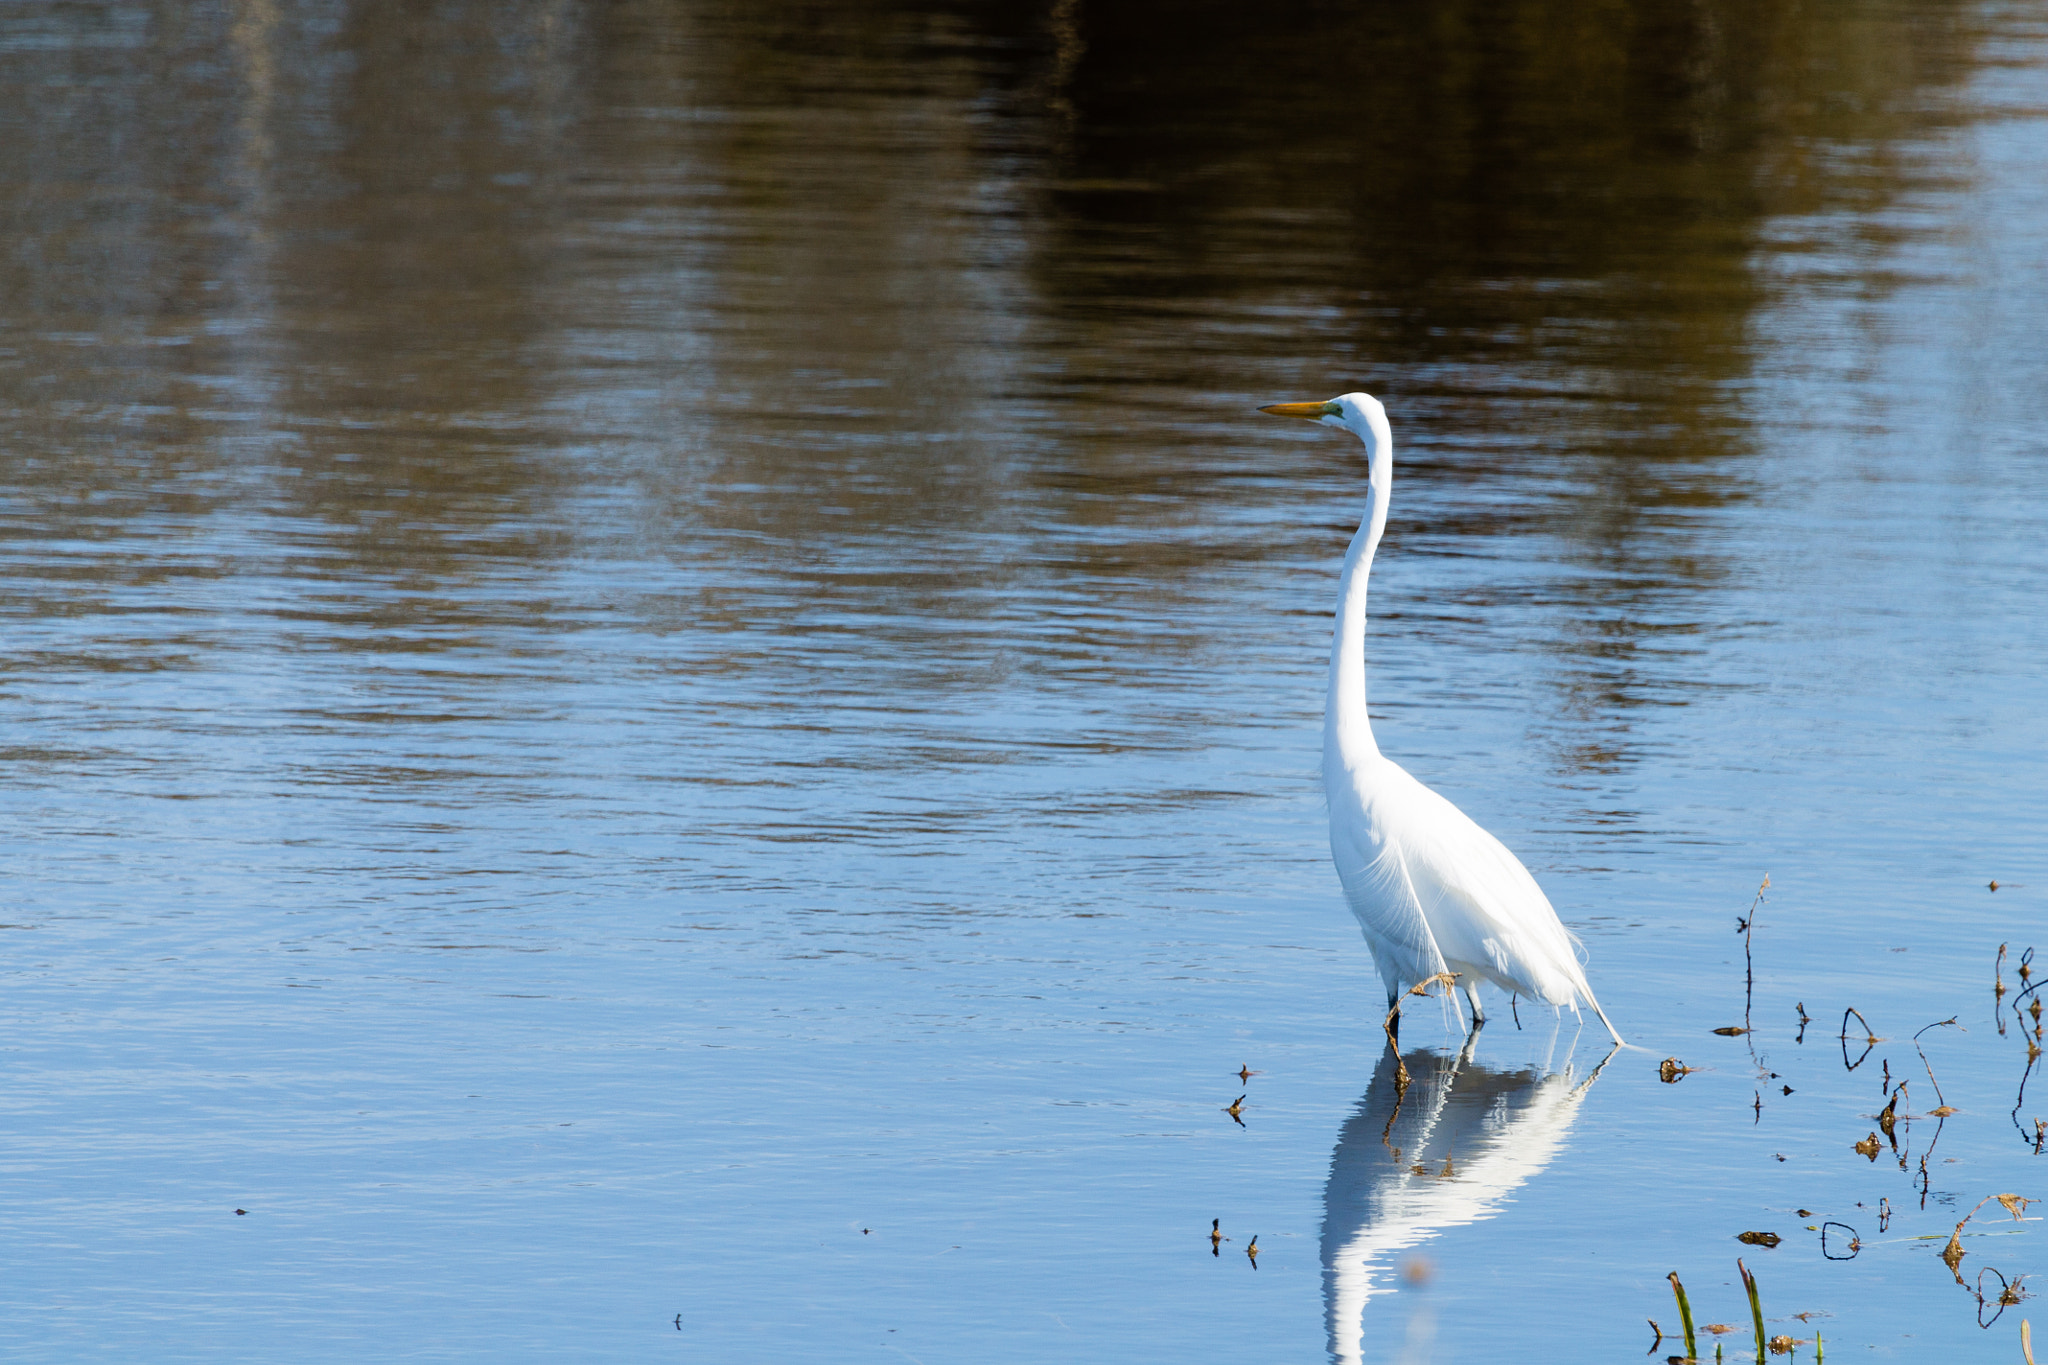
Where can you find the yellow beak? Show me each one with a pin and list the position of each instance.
(1310, 411)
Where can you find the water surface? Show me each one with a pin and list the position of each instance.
(661, 693)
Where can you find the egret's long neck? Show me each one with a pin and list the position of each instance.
(1347, 731)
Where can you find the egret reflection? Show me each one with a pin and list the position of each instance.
(1444, 1154)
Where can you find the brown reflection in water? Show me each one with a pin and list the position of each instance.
(285, 260)
(1535, 228)
(407, 232)
(944, 311)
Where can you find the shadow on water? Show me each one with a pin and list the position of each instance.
(1441, 1155)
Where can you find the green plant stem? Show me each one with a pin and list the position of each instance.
(1692, 1351)
(1756, 1310)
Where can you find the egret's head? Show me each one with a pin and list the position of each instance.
(1358, 413)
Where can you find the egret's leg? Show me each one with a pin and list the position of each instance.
(1394, 1012)
(1478, 1010)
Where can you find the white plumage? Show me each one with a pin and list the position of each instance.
(1432, 890)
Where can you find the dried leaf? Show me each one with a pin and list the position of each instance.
(1719, 1329)
(1952, 1254)
(1759, 1239)
(1671, 1070)
(1941, 1111)
(2015, 1205)
(1731, 1032)
(1870, 1146)
(1782, 1345)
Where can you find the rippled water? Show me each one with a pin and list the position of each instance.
(661, 694)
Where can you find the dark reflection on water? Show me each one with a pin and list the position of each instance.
(919, 312)
(1444, 1153)
(681, 567)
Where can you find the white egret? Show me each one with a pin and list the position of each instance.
(1433, 891)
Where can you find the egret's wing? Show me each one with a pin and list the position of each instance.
(1382, 894)
(1481, 905)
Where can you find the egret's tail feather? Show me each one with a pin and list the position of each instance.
(1611, 1032)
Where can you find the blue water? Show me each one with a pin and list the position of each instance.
(662, 695)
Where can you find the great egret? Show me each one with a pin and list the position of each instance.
(1433, 891)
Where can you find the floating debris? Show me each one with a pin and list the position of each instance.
(1887, 1117)
(1234, 1109)
(1855, 1243)
(1745, 925)
(1952, 1254)
(1993, 1289)
(1939, 1098)
(1870, 1040)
